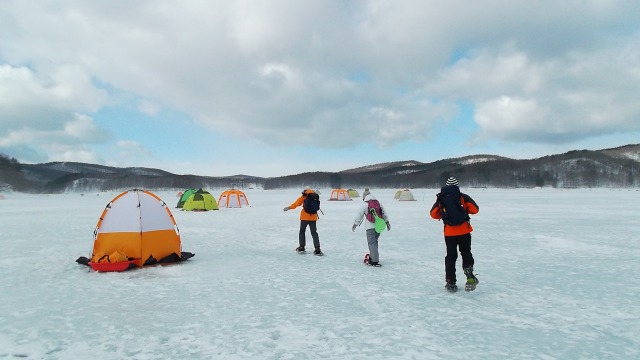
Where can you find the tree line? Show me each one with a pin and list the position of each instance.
(570, 170)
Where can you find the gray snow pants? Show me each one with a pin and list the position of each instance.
(302, 239)
(372, 241)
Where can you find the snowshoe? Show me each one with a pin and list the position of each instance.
(367, 261)
(471, 283)
(472, 280)
(451, 287)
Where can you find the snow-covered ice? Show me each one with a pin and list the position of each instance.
(557, 272)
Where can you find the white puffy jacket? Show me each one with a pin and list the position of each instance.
(360, 217)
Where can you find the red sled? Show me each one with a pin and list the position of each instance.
(114, 266)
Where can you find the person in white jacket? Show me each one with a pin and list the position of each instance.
(364, 215)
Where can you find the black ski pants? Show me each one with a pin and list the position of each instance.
(463, 243)
(314, 233)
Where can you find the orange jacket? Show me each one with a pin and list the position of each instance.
(465, 228)
(303, 214)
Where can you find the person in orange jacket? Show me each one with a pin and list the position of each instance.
(457, 236)
(306, 219)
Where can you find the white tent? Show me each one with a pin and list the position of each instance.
(404, 195)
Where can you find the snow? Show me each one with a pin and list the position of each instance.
(476, 160)
(144, 171)
(556, 269)
(79, 168)
(384, 166)
(404, 172)
(633, 155)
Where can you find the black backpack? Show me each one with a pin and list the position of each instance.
(452, 211)
(311, 203)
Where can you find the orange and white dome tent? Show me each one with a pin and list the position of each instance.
(232, 198)
(135, 229)
(339, 195)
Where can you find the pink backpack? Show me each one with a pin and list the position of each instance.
(373, 205)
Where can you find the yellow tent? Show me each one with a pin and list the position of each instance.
(200, 200)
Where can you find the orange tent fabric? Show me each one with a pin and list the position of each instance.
(339, 195)
(138, 224)
(232, 198)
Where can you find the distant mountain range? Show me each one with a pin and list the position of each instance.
(615, 168)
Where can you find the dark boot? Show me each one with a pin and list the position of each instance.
(451, 286)
(374, 263)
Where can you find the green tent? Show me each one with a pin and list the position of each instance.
(201, 200)
(184, 197)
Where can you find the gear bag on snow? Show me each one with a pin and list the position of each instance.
(452, 211)
(311, 203)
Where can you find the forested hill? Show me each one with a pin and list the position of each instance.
(56, 177)
(616, 168)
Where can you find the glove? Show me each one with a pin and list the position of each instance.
(286, 209)
(353, 228)
(388, 226)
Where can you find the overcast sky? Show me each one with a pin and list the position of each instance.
(271, 88)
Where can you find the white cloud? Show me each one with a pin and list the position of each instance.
(18, 137)
(84, 129)
(38, 113)
(57, 141)
(82, 155)
(313, 73)
(79, 130)
(31, 98)
(488, 74)
(128, 149)
(507, 118)
(575, 96)
(150, 108)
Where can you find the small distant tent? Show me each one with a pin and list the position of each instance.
(353, 193)
(339, 195)
(405, 195)
(184, 196)
(201, 200)
(135, 229)
(233, 198)
(396, 196)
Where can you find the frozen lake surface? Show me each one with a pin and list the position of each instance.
(556, 269)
